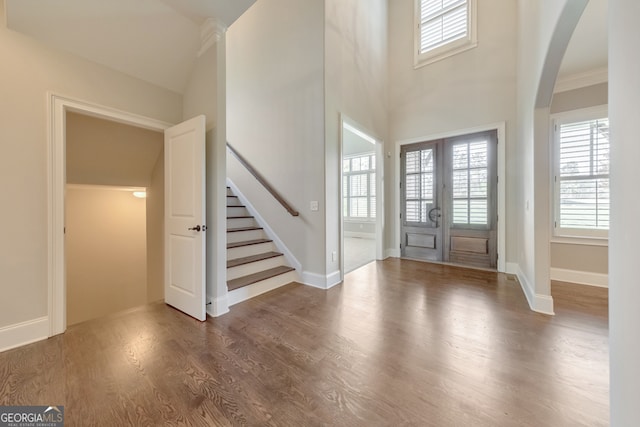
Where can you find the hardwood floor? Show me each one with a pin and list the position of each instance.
(399, 343)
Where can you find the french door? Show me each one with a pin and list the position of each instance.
(449, 200)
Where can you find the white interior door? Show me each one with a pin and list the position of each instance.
(184, 162)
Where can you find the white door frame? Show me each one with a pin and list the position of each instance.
(502, 207)
(379, 190)
(56, 137)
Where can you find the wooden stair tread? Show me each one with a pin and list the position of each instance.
(236, 206)
(239, 217)
(234, 230)
(253, 258)
(247, 243)
(257, 277)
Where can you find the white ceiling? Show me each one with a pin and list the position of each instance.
(154, 40)
(588, 48)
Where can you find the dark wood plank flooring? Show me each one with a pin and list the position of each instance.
(399, 343)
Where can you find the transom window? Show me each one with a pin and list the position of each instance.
(359, 187)
(581, 175)
(443, 28)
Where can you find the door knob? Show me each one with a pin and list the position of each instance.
(434, 214)
(196, 228)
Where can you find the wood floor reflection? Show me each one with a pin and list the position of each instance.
(398, 343)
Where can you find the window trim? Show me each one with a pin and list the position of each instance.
(559, 234)
(449, 49)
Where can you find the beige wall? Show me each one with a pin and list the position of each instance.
(585, 258)
(201, 93)
(105, 247)
(155, 232)
(103, 152)
(474, 88)
(29, 70)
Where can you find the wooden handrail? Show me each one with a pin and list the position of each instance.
(263, 181)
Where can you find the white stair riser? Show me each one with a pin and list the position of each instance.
(254, 267)
(237, 211)
(229, 192)
(244, 251)
(243, 236)
(247, 292)
(240, 222)
(233, 201)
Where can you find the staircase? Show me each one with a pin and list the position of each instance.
(254, 265)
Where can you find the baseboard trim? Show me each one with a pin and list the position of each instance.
(391, 253)
(360, 235)
(580, 277)
(320, 281)
(537, 302)
(217, 306)
(24, 333)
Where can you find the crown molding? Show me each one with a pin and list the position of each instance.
(579, 80)
(211, 31)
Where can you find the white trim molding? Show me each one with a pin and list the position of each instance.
(537, 302)
(580, 277)
(321, 281)
(58, 106)
(23, 333)
(580, 80)
(217, 306)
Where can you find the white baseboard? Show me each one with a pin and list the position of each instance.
(580, 277)
(537, 302)
(20, 334)
(320, 281)
(360, 235)
(218, 306)
(291, 259)
(391, 253)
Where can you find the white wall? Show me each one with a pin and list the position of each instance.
(624, 292)
(29, 70)
(544, 30)
(474, 88)
(106, 252)
(355, 86)
(275, 117)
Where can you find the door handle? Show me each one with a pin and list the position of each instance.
(196, 228)
(434, 214)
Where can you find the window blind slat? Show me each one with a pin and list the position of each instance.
(441, 22)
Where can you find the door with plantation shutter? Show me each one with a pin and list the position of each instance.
(470, 235)
(420, 200)
(449, 200)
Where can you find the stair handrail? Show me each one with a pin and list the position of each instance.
(262, 181)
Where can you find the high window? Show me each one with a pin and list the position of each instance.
(359, 187)
(443, 28)
(581, 174)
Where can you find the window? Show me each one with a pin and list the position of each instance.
(581, 174)
(470, 183)
(359, 187)
(443, 28)
(419, 184)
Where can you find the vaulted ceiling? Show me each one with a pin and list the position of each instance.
(155, 40)
(158, 40)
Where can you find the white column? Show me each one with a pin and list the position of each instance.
(624, 256)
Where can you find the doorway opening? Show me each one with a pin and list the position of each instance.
(114, 204)
(449, 200)
(361, 197)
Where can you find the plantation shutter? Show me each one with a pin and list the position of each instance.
(442, 22)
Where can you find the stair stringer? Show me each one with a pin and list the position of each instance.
(288, 255)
